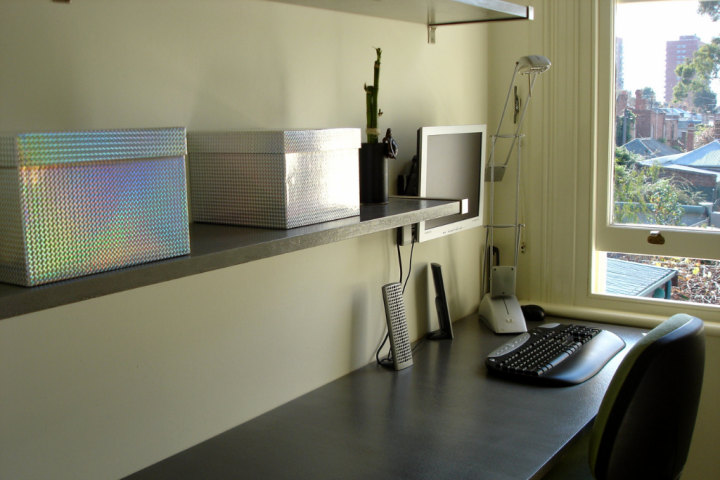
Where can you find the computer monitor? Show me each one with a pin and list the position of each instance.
(451, 164)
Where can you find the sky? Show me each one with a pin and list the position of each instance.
(645, 27)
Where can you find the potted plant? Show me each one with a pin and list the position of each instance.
(374, 154)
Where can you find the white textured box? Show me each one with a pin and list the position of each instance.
(274, 179)
(76, 203)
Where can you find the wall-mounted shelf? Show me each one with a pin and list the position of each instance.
(432, 13)
(219, 246)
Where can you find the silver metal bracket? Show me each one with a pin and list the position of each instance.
(431, 34)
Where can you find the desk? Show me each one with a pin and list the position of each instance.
(443, 418)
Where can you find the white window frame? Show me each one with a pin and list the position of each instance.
(682, 242)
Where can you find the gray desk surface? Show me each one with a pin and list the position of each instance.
(443, 418)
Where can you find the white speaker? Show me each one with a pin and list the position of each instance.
(400, 346)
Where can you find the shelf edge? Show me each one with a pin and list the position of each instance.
(16, 300)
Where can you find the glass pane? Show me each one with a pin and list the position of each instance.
(667, 137)
(673, 278)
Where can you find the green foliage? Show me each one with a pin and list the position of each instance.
(371, 101)
(703, 135)
(624, 124)
(666, 208)
(624, 157)
(707, 59)
(709, 8)
(649, 94)
(705, 99)
(641, 196)
(695, 76)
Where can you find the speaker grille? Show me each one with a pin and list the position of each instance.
(397, 325)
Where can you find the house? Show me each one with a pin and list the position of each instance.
(649, 148)
(106, 386)
(706, 157)
(670, 125)
(699, 168)
(654, 122)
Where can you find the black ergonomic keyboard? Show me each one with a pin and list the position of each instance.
(555, 354)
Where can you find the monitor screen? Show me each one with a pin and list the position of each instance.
(451, 164)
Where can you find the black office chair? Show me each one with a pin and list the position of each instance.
(646, 419)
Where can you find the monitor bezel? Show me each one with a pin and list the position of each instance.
(424, 234)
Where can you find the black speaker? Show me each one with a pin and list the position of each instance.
(397, 326)
(441, 306)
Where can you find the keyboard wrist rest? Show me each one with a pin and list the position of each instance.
(589, 360)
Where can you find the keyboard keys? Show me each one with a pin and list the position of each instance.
(543, 351)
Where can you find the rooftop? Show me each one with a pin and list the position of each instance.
(635, 279)
(705, 157)
(649, 148)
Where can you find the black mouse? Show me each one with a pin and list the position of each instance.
(533, 313)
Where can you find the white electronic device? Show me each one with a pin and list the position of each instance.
(499, 308)
(502, 314)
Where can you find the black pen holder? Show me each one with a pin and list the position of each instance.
(373, 163)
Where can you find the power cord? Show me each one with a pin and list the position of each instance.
(412, 248)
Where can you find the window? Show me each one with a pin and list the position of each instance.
(658, 230)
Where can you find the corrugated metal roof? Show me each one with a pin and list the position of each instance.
(649, 147)
(707, 156)
(635, 279)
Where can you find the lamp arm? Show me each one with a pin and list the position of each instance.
(491, 238)
(507, 98)
(522, 116)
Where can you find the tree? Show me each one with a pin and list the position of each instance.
(695, 76)
(704, 99)
(641, 196)
(704, 66)
(649, 93)
(710, 8)
(707, 59)
(703, 135)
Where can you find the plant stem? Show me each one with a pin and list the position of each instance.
(371, 102)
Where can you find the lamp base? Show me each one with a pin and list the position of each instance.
(502, 314)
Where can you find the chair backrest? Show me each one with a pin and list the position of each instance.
(646, 419)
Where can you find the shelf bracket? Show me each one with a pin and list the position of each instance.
(431, 29)
(432, 24)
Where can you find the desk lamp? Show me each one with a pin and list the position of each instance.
(499, 307)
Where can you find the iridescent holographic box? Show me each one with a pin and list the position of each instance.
(76, 203)
(274, 179)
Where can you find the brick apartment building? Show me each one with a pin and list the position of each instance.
(676, 51)
(674, 126)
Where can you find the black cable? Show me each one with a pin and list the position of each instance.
(377, 353)
(412, 248)
(399, 261)
(386, 362)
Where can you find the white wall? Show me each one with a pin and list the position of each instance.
(104, 387)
